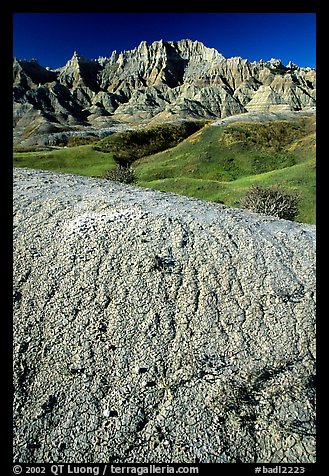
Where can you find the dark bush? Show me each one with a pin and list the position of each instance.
(132, 145)
(73, 141)
(121, 174)
(272, 201)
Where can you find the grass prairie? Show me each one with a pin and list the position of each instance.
(80, 160)
(220, 163)
(216, 163)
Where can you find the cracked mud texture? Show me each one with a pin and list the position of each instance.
(150, 327)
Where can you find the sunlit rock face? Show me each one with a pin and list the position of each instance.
(163, 81)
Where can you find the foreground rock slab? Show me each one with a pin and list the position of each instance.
(150, 327)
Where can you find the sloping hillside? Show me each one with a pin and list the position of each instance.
(221, 162)
(218, 162)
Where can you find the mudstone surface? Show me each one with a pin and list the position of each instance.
(150, 327)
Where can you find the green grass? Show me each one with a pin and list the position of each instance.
(215, 163)
(300, 178)
(222, 163)
(129, 146)
(81, 160)
(225, 153)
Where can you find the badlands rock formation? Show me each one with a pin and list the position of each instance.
(163, 81)
(150, 327)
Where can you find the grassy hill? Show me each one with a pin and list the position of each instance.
(217, 163)
(220, 163)
(131, 145)
(81, 160)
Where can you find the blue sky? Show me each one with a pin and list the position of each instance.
(52, 38)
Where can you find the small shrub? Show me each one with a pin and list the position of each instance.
(272, 201)
(73, 141)
(121, 174)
